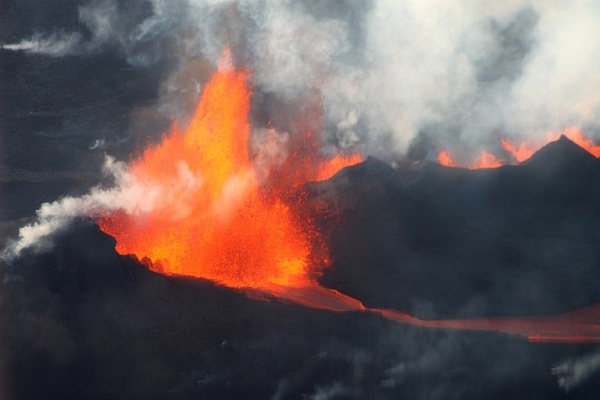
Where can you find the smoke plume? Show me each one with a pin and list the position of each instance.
(133, 196)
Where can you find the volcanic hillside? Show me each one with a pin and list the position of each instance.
(442, 242)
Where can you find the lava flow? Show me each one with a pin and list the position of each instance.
(580, 326)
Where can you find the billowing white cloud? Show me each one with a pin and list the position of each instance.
(387, 70)
(131, 194)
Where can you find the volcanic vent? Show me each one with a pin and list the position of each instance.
(219, 218)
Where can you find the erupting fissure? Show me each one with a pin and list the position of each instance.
(219, 222)
(520, 152)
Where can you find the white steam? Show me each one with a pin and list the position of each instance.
(132, 195)
(574, 372)
(389, 71)
(55, 45)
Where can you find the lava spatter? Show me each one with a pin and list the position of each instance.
(222, 226)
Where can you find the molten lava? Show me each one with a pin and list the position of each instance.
(446, 160)
(522, 151)
(525, 150)
(217, 223)
(485, 160)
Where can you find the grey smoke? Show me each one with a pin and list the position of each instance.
(102, 19)
(54, 45)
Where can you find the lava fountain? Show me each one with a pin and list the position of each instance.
(221, 224)
(522, 151)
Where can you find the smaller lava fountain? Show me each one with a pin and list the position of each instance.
(520, 152)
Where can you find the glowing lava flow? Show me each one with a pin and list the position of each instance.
(580, 326)
(525, 150)
(446, 160)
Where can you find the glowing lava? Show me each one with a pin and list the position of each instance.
(580, 326)
(446, 160)
(525, 150)
(485, 160)
(522, 151)
(217, 223)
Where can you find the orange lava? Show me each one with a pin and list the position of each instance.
(579, 138)
(216, 222)
(523, 151)
(485, 160)
(446, 160)
(580, 326)
(335, 164)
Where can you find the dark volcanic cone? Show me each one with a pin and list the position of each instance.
(446, 242)
(563, 153)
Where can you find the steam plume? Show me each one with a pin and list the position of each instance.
(133, 196)
(392, 71)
